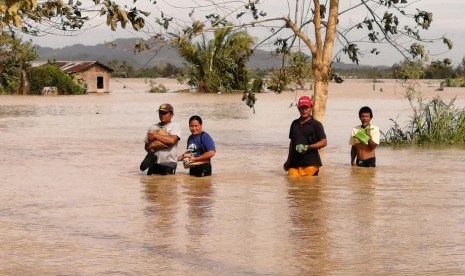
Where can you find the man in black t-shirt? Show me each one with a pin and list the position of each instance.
(307, 137)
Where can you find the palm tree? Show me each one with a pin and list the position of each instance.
(218, 64)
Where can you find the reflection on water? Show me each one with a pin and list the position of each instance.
(309, 216)
(74, 201)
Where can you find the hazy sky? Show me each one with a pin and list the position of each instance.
(448, 20)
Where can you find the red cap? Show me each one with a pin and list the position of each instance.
(304, 101)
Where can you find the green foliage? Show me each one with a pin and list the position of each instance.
(61, 16)
(50, 75)
(15, 57)
(257, 85)
(433, 122)
(279, 80)
(160, 88)
(218, 65)
(455, 82)
(439, 69)
(298, 71)
(9, 84)
(409, 70)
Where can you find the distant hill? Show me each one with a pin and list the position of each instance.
(123, 51)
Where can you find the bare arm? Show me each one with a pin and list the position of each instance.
(318, 145)
(353, 154)
(168, 140)
(204, 157)
(371, 144)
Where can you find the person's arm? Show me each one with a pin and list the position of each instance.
(147, 142)
(147, 147)
(204, 157)
(320, 136)
(168, 140)
(318, 145)
(353, 155)
(371, 143)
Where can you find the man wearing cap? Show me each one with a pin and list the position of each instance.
(166, 158)
(307, 137)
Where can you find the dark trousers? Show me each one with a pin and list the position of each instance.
(201, 170)
(370, 162)
(160, 169)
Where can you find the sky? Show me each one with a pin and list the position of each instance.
(448, 21)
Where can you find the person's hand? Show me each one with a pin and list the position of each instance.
(151, 135)
(301, 148)
(368, 130)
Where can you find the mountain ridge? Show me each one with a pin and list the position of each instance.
(123, 51)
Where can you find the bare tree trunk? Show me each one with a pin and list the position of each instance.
(322, 51)
(24, 83)
(320, 94)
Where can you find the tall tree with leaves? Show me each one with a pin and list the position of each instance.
(15, 58)
(328, 29)
(218, 64)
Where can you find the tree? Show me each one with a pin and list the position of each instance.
(296, 69)
(460, 70)
(409, 70)
(15, 58)
(319, 25)
(218, 64)
(439, 69)
(34, 17)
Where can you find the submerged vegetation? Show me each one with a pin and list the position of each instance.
(433, 122)
(456, 82)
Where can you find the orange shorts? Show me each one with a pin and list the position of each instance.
(301, 171)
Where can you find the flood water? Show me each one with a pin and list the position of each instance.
(73, 201)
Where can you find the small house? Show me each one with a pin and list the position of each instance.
(94, 74)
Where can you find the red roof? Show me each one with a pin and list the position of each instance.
(79, 66)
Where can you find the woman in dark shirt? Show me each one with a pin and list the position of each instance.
(200, 149)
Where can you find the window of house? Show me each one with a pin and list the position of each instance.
(99, 82)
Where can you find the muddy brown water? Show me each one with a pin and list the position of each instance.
(73, 201)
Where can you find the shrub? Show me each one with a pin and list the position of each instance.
(455, 82)
(9, 84)
(433, 122)
(158, 89)
(257, 85)
(50, 75)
